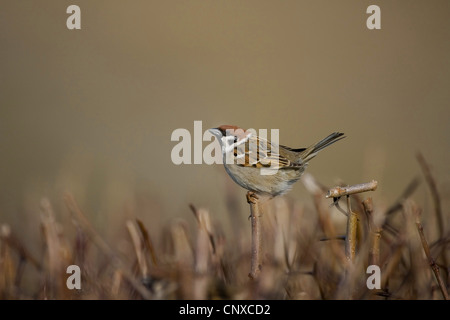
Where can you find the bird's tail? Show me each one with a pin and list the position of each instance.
(312, 151)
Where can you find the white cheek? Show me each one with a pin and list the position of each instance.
(228, 143)
(244, 140)
(227, 149)
(228, 138)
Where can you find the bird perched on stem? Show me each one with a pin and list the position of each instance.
(263, 167)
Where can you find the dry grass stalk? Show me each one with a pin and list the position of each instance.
(414, 260)
(138, 247)
(204, 249)
(10, 240)
(183, 252)
(350, 250)
(324, 218)
(352, 216)
(7, 265)
(207, 265)
(183, 258)
(116, 282)
(350, 239)
(80, 219)
(284, 246)
(436, 203)
(390, 264)
(58, 253)
(431, 261)
(375, 221)
(407, 193)
(375, 228)
(148, 244)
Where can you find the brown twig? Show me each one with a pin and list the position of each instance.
(352, 225)
(56, 251)
(8, 270)
(318, 191)
(204, 248)
(431, 261)
(350, 239)
(255, 216)
(398, 204)
(80, 218)
(340, 237)
(147, 241)
(203, 221)
(138, 247)
(337, 192)
(352, 216)
(391, 262)
(375, 230)
(436, 200)
(9, 237)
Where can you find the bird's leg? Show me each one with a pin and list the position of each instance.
(256, 261)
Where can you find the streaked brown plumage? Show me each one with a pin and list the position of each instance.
(261, 166)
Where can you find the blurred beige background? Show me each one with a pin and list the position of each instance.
(91, 112)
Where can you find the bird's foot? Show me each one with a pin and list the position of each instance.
(252, 197)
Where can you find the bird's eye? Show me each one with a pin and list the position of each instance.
(235, 139)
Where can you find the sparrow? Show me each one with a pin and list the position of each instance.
(262, 167)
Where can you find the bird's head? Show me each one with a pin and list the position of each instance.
(228, 136)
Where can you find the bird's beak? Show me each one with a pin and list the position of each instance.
(216, 132)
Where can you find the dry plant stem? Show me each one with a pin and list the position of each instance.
(205, 240)
(436, 200)
(54, 251)
(337, 192)
(79, 217)
(138, 247)
(14, 242)
(350, 240)
(434, 192)
(147, 241)
(431, 261)
(205, 225)
(398, 204)
(329, 229)
(317, 191)
(374, 255)
(374, 251)
(391, 263)
(256, 237)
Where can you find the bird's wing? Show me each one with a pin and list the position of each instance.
(260, 153)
